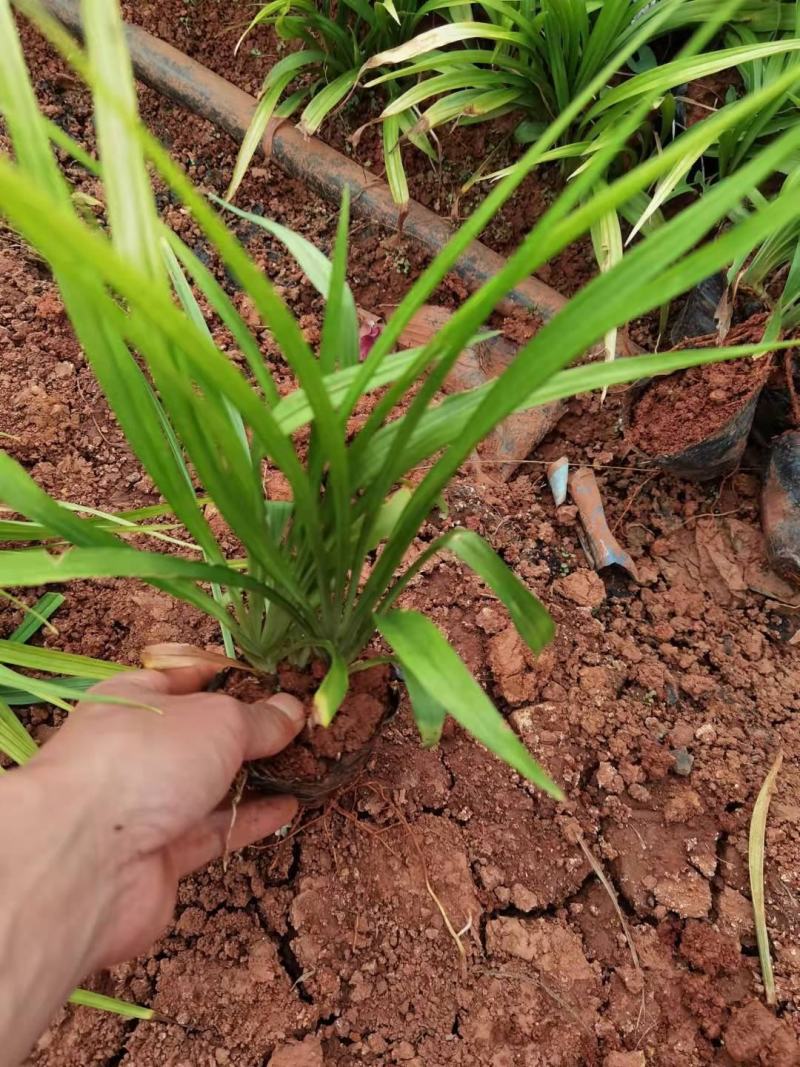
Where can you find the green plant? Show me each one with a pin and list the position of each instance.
(739, 140)
(336, 38)
(544, 53)
(776, 258)
(318, 575)
(541, 53)
(758, 266)
(537, 57)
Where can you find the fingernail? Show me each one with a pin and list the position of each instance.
(290, 707)
(287, 808)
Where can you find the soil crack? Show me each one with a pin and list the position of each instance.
(717, 883)
(291, 965)
(119, 1056)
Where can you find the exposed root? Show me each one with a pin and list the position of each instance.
(301, 978)
(239, 784)
(632, 499)
(605, 882)
(563, 1004)
(334, 807)
(594, 863)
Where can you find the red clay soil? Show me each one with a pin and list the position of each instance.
(323, 759)
(705, 96)
(680, 410)
(659, 707)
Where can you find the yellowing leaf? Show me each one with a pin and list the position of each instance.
(168, 656)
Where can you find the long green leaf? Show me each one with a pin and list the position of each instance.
(131, 206)
(443, 83)
(664, 189)
(527, 613)
(439, 38)
(55, 662)
(37, 567)
(429, 714)
(668, 75)
(467, 102)
(18, 696)
(184, 293)
(424, 653)
(282, 73)
(395, 172)
(318, 269)
(46, 691)
(325, 101)
(15, 741)
(22, 115)
(37, 616)
(85, 998)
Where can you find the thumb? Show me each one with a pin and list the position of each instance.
(271, 724)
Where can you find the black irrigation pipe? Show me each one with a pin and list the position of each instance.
(325, 170)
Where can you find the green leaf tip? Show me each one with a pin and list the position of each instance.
(328, 698)
(435, 667)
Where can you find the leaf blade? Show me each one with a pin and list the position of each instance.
(429, 714)
(422, 650)
(328, 698)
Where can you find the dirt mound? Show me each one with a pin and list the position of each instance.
(679, 410)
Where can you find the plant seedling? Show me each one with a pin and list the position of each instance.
(321, 574)
(336, 40)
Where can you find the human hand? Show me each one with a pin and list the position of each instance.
(148, 787)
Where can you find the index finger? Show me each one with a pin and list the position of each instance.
(174, 681)
(179, 681)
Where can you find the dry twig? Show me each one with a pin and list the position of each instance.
(755, 855)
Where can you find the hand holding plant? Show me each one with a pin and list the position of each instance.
(320, 575)
(121, 803)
